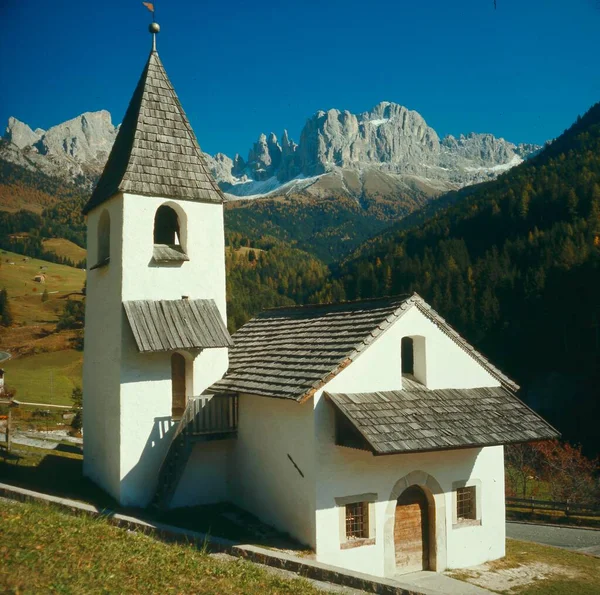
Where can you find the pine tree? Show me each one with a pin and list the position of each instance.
(6, 317)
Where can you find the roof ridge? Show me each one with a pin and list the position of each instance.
(389, 298)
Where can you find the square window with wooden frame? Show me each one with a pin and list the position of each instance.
(357, 521)
(466, 504)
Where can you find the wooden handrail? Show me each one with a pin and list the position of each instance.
(206, 417)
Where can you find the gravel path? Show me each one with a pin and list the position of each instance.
(571, 538)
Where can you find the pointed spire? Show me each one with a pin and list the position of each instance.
(156, 152)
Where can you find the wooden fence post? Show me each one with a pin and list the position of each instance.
(567, 507)
(8, 436)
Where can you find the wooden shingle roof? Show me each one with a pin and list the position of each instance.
(168, 325)
(292, 352)
(424, 420)
(156, 152)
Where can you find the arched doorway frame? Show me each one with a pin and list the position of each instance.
(436, 500)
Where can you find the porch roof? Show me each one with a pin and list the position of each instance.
(168, 325)
(424, 420)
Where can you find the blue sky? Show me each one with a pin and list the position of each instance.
(523, 71)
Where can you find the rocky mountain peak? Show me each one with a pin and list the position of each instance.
(77, 147)
(21, 135)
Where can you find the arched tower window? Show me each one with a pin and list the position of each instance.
(103, 239)
(169, 236)
(166, 227)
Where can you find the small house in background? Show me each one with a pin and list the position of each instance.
(41, 278)
(370, 431)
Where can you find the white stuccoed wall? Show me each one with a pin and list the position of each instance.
(132, 417)
(101, 362)
(206, 476)
(264, 481)
(345, 472)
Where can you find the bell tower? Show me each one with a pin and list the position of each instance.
(155, 320)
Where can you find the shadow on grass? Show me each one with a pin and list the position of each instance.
(62, 475)
(73, 448)
(55, 475)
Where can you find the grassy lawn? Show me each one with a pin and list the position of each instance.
(65, 248)
(45, 550)
(532, 569)
(46, 377)
(60, 473)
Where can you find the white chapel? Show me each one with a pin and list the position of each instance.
(369, 431)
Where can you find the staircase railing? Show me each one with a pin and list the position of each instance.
(207, 417)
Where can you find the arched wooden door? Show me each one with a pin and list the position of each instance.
(178, 384)
(411, 531)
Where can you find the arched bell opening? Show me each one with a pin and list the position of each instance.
(169, 235)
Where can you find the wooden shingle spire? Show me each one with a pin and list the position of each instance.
(156, 152)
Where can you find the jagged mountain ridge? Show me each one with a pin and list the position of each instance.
(386, 152)
(389, 142)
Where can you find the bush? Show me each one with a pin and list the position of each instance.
(77, 400)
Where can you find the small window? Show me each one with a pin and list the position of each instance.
(357, 521)
(465, 504)
(408, 356)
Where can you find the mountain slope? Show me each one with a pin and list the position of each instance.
(515, 267)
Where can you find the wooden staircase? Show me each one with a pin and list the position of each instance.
(206, 418)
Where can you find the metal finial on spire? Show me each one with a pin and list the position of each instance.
(154, 28)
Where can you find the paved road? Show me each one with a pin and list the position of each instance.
(571, 538)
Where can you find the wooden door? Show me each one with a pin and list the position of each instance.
(411, 531)
(178, 384)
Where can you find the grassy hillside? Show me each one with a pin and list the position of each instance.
(46, 550)
(44, 367)
(327, 228)
(45, 377)
(17, 274)
(65, 248)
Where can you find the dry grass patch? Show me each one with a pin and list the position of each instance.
(44, 550)
(45, 377)
(66, 249)
(532, 569)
